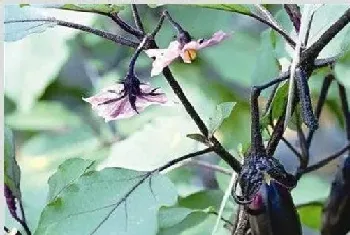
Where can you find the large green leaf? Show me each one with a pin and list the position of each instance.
(311, 215)
(32, 64)
(12, 172)
(205, 199)
(157, 143)
(16, 29)
(59, 146)
(194, 215)
(186, 180)
(112, 200)
(266, 64)
(43, 116)
(170, 216)
(97, 8)
(67, 174)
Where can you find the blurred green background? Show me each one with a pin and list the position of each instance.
(47, 74)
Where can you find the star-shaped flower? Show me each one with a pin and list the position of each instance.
(123, 100)
(187, 51)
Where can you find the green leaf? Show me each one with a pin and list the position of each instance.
(205, 199)
(196, 223)
(324, 17)
(12, 172)
(266, 65)
(239, 8)
(165, 134)
(222, 112)
(44, 116)
(67, 173)
(170, 216)
(32, 64)
(106, 201)
(194, 215)
(310, 188)
(311, 215)
(59, 146)
(186, 180)
(16, 30)
(278, 103)
(342, 69)
(96, 8)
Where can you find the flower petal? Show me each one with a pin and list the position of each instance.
(163, 57)
(216, 38)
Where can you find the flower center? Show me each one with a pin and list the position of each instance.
(190, 54)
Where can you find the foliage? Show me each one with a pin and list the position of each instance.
(92, 177)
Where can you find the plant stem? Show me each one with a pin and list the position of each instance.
(126, 27)
(325, 161)
(321, 100)
(185, 157)
(109, 36)
(294, 14)
(137, 18)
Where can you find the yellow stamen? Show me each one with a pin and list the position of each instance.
(190, 54)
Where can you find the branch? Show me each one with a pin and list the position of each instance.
(305, 156)
(291, 147)
(25, 225)
(321, 100)
(312, 52)
(345, 108)
(185, 157)
(137, 18)
(325, 161)
(125, 26)
(103, 34)
(294, 14)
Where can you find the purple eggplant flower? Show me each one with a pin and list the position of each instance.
(125, 99)
(187, 51)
